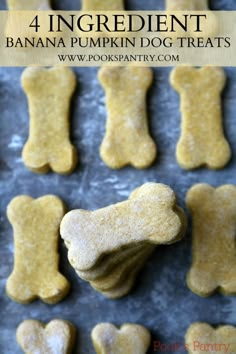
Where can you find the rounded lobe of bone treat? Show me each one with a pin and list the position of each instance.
(149, 216)
(202, 141)
(129, 339)
(127, 140)
(36, 232)
(49, 92)
(28, 5)
(186, 5)
(201, 338)
(57, 337)
(102, 5)
(214, 224)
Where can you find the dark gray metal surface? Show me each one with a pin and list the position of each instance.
(160, 300)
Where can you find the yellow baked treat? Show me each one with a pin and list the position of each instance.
(148, 216)
(129, 339)
(201, 338)
(49, 92)
(36, 232)
(214, 248)
(127, 140)
(108, 247)
(202, 140)
(102, 5)
(188, 5)
(29, 5)
(57, 337)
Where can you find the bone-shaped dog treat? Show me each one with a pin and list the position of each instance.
(129, 339)
(149, 216)
(102, 5)
(214, 247)
(187, 5)
(127, 140)
(28, 5)
(202, 140)
(49, 92)
(57, 337)
(201, 338)
(36, 232)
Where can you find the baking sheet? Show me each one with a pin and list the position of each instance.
(160, 300)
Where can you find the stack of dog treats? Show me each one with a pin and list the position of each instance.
(108, 247)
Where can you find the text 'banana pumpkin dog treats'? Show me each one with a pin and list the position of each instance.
(129, 339)
(28, 5)
(36, 233)
(107, 247)
(127, 140)
(57, 337)
(201, 338)
(214, 248)
(202, 139)
(102, 5)
(49, 92)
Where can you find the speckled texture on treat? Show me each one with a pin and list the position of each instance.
(214, 247)
(36, 232)
(127, 140)
(49, 93)
(202, 140)
(129, 339)
(170, 307)
(201, 338)
(105, 5)
(56, 337)
(28, 4)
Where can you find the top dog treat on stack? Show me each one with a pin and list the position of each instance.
(107, 247)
